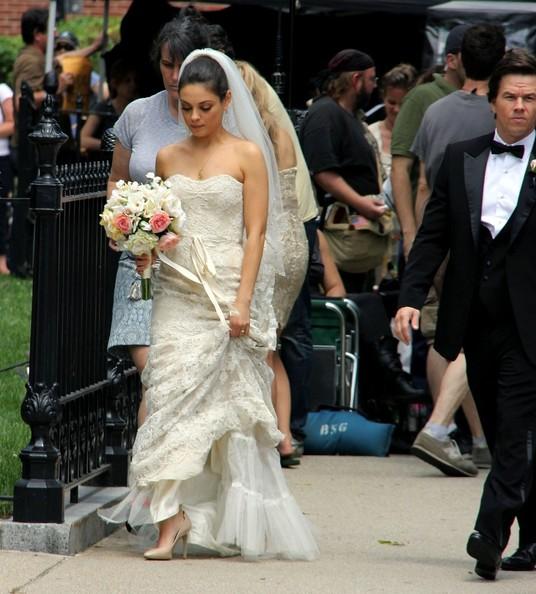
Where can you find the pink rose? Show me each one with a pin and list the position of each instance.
(168, 242)
(159, 221)
(123, 223)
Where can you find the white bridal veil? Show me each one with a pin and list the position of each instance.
(243, 120)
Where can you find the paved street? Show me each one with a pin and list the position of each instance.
(393, 526)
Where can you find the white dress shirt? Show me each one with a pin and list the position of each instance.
(502, 184)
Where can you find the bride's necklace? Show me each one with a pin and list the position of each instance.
(200, 170)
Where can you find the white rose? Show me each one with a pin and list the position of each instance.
(141, 242)
(106, 220)
(115, 198)
(172, 205)
(177, 223)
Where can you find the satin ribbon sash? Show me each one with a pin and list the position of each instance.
(204, 270)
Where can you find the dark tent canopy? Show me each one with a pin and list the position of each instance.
(391, 31)
(346, 6)
(321, 28)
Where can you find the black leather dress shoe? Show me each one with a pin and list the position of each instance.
(486, 553)
(524, 559)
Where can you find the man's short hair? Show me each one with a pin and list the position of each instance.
(483, 46)
(33, 20)
(515, 61)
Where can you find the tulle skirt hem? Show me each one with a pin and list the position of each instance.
(239, 505)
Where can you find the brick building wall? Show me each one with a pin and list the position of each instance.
(10, 11)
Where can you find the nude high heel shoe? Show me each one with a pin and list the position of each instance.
(165, 554)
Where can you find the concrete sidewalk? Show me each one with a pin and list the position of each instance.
(385, 525)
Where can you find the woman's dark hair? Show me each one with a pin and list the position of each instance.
(33, 20)
(515, 61)
(219, 40)
(205, 71)
(182, 35)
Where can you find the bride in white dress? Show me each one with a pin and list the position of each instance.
(205, 467)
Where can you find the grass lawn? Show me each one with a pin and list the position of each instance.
(15, 308)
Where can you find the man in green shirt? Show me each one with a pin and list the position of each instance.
(407, 124)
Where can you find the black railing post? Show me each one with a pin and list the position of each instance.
(20, 243)
(116, 451)
(38, 495)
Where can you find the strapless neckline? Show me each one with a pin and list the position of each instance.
(206, 179)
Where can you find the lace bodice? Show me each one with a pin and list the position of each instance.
(213, 207)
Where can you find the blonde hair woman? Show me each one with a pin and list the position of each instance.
(295, 252)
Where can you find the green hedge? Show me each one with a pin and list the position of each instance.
(9, 48)
(86, 28)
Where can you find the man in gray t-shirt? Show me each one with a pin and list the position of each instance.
(458, 116)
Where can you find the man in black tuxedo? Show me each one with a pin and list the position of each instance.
(482, 211)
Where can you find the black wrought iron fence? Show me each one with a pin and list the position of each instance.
(81, 407)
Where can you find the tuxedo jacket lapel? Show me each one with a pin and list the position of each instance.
(474, 167)
(525, 203)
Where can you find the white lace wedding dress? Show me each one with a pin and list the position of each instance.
(209, 440)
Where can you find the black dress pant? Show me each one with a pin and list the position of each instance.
(503, 382)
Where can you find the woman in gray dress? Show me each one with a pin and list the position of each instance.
(145, 126)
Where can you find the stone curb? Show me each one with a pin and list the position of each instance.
(82, 527)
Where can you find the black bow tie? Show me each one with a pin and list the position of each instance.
(498, 147)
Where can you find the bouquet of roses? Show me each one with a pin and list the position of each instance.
(137, 216)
